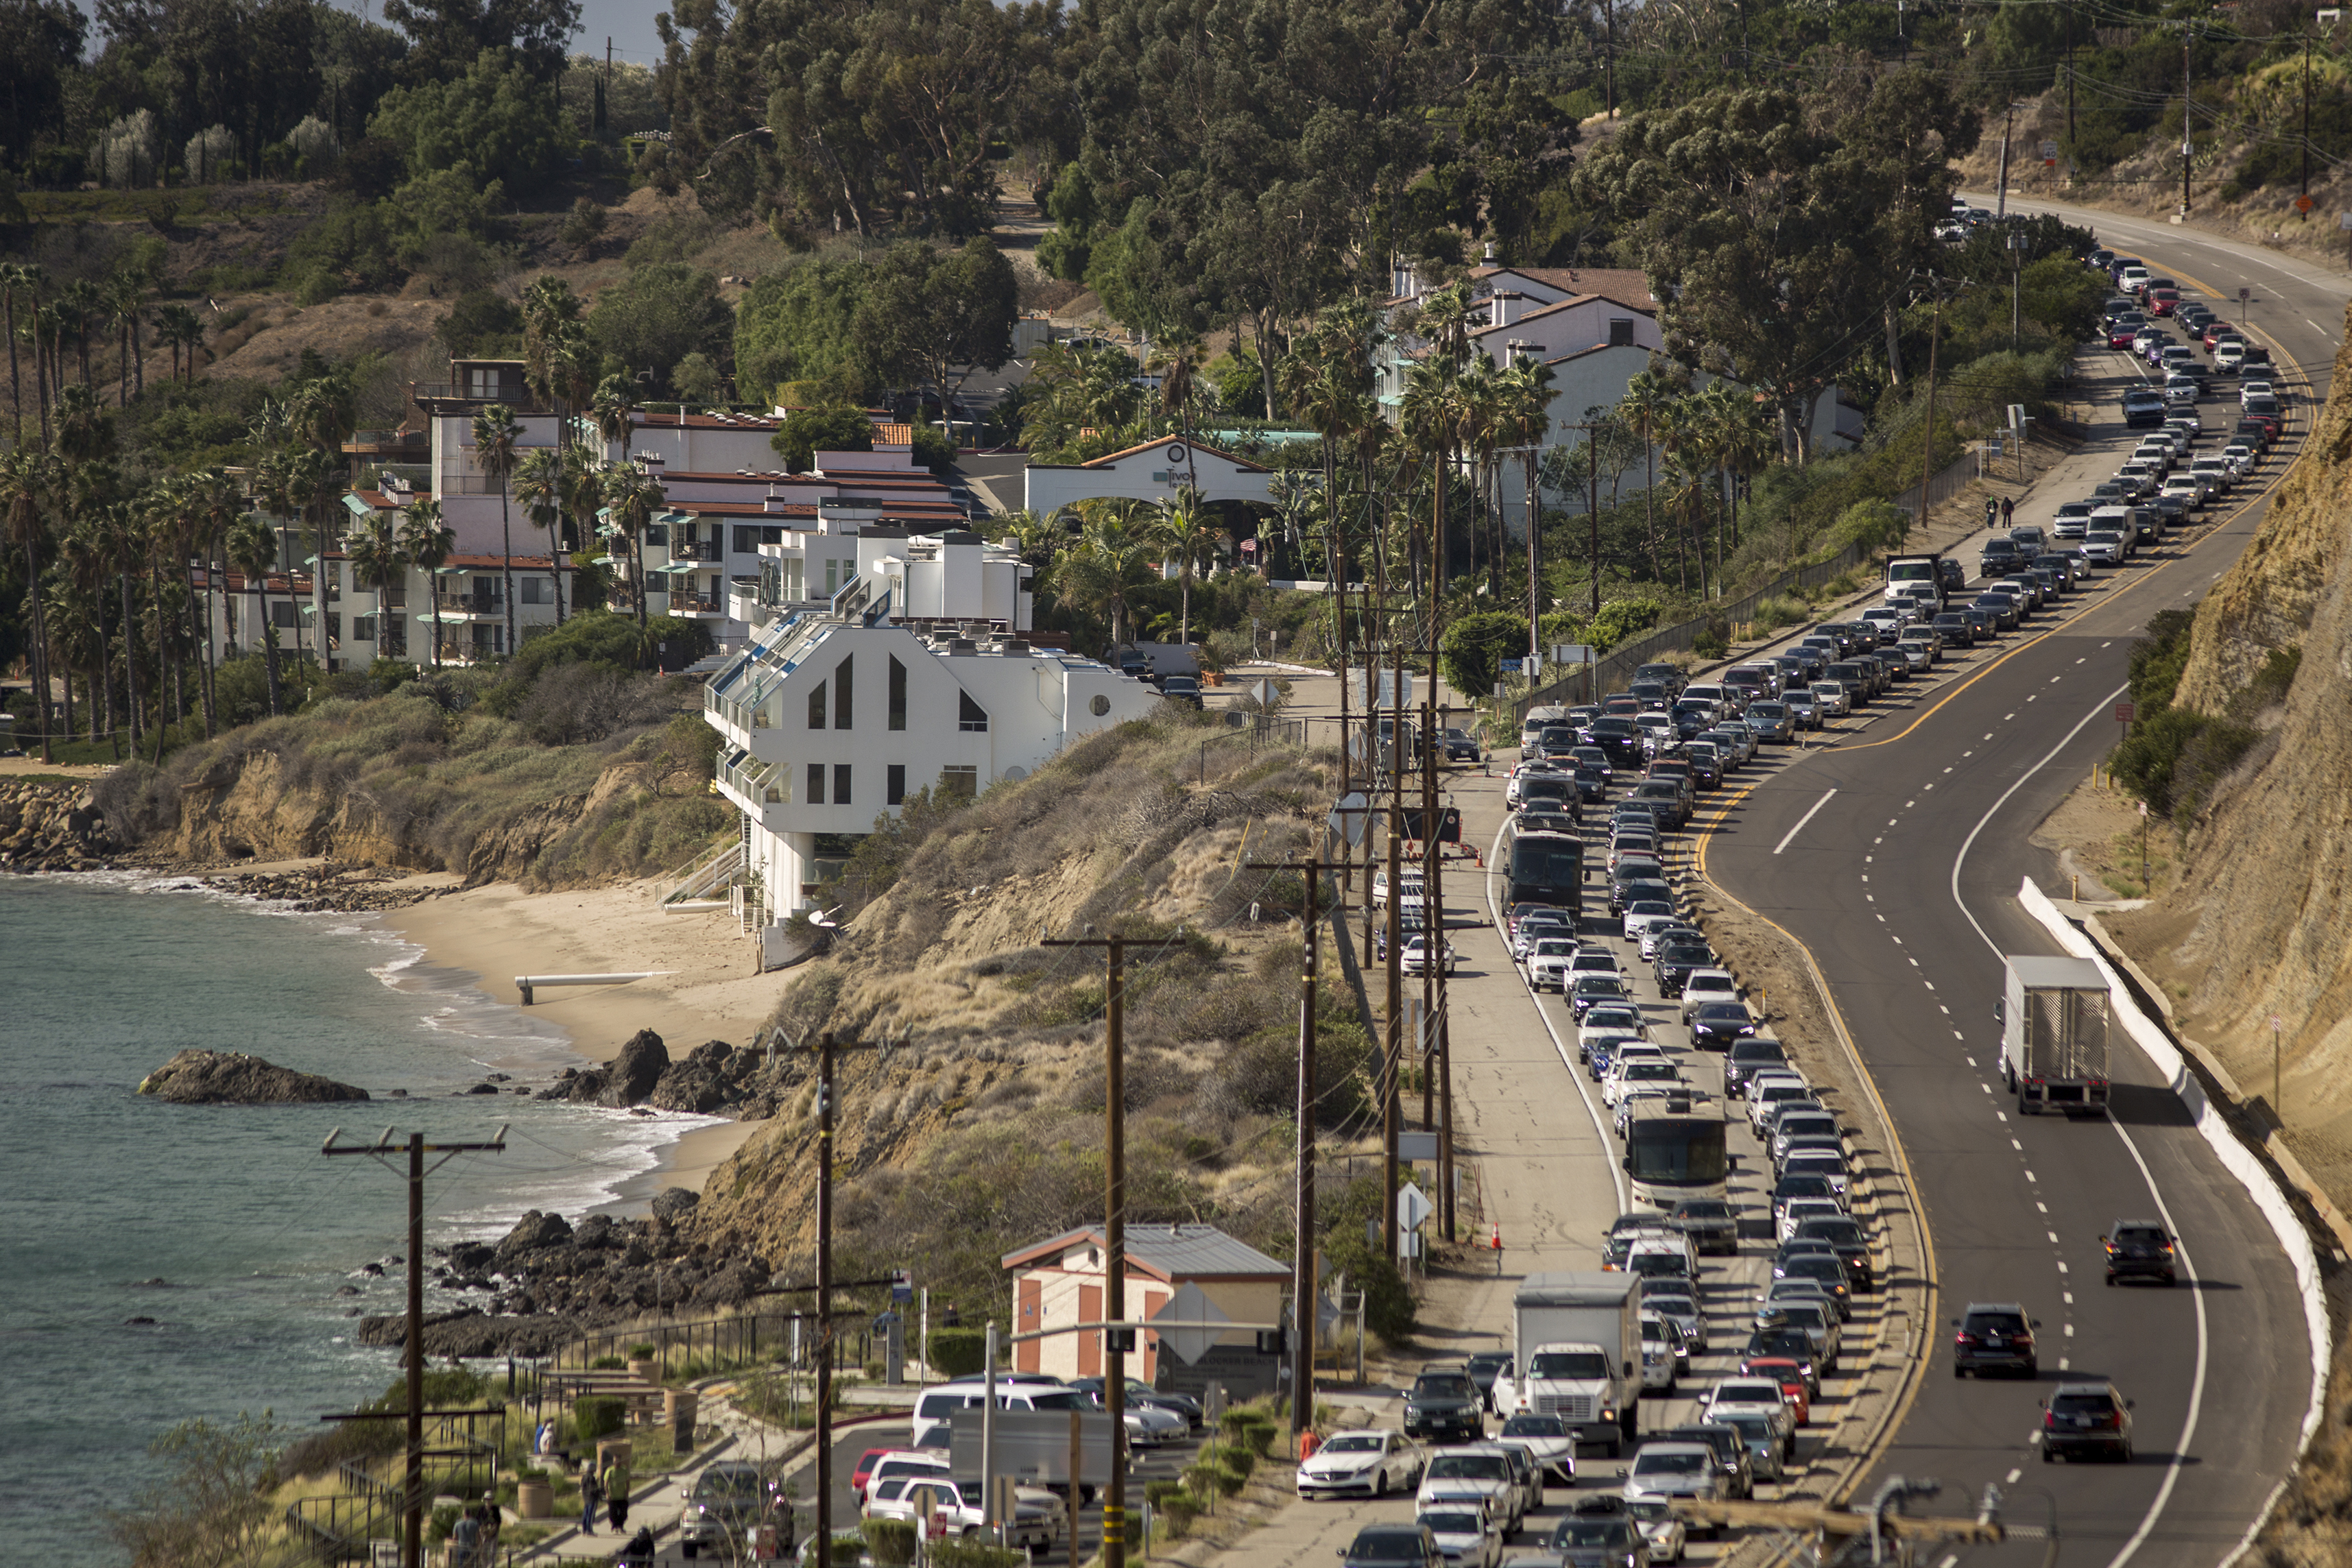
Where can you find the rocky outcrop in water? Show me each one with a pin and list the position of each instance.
(715, 1079)
(232, 1078)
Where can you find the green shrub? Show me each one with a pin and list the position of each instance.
(595, 1416)
(318, 287)
(1259, 1434)
(953, 1553)
(1177, 1513)
(1773, 613)
(643, 1352)
(892, 1541)
(608, 1364)
(958, 1352)
(1714, 641)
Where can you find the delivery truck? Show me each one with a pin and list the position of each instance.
(2054, 1034)
(1578, 1353)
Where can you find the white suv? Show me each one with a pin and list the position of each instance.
(1707, 986)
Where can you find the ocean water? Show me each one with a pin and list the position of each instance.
(259, 1240)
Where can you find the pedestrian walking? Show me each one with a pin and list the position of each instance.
(2008, 505)
(493, 1516)
(466, 1539)
(591, 1493)
(616, 1495)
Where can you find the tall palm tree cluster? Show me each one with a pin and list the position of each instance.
(1711, 439)
(55, 324)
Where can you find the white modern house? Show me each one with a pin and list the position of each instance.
(1154, 471)
(912, 673)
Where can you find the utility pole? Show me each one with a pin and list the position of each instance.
(1395, 1052)
(2000, 189)
(412, 1528)
(1116, 1341)
(2303, 196)
(2070, 91)
(1609, 69)
(2186, 148)
(1928, 450)
(824, 1300)
(1304, 1285)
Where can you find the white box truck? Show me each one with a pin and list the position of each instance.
(1577, 1352)
(2054, 1034)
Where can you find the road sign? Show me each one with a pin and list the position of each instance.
(2123, 713)
(1413, 1206)
(1350, 818)
(1266, 693)
(902, 1289)
(1190, 1304)
(1512, 666)
(2305, 204)
(1415, 1148)
(2244, 295)
(2049, 151)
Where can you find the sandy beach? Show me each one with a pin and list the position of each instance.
(708, 989)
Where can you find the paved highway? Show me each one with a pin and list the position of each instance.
(1903, 889)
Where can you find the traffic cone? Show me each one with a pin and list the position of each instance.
(1497, 1241)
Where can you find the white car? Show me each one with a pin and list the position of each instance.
(1662, 1353)
(1149, 1426)
(1595, 961)
(1707, 986)
(1548, 962)
(1665, 1471)
(2242, 458)
(1463, 1526)
(1744, 1396)
(1666, 1535)
(1644, 913)
(1680, 1310)
(957, 1506)
(1612, 1021)
(1483, 1471)
(1832, 697)
(1371, 1463)
(2250, 389)
(1639, 1076)
(1549, 1440)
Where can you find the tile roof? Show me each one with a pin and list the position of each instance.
(1172, 1251)
(1568, 304)
(1626, 285)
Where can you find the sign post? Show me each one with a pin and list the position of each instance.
(2278, 1106)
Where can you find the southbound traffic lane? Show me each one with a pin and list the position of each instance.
(1915, 982)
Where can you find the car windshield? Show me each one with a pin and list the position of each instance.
(1452, 1523)
(1721, 1012)
(1672, 1464)
(1838, 1232)
(1060, 1400)
(1553, 947)
(1388, 1546)
(1355, 1443)
(1535, 1427)
(1452, 1385)
(2139, 1236)
(1576, 1533)
(1660, 1263)
(1469, 1467)
(1996, 1322)
(1569, 1366)
(2083, 1405)
(1648, 1072)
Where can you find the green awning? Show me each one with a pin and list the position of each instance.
(605, 561)
(359, 508)
(451, 570)
(677, 567)
(668, 515)
(310, 610)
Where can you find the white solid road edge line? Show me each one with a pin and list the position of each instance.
(2235, 1157)
(1535, 998)
(1800, 828)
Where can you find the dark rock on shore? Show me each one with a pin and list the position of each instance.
(633, 1074)
(672, 1203)
(232, 1078)
(49, 826)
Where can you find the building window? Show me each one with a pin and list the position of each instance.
(832, 578)
(363, 628)
(747, 540)
(840, 687)
(958, 783)
(841, 783)
(1620, 331)
(284, 614)
(534, 591)
(894, 780)
(816, 783)
(970, 714)
(816, 706)
(897, 696)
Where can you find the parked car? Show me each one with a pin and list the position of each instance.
(1367, 1463)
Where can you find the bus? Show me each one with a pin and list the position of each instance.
(1547, 868)
(1672, 1154)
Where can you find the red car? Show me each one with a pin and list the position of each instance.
(2162, 301)
(2217, 329)
(864, 1470)
(2121, 334)
(1790, 1377)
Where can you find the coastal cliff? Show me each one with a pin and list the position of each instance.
(2254, 929)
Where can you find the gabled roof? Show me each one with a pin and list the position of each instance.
(1602, 349)
(1625, 285)
(1170, 1252)
(1553, 310)
(1108, 458)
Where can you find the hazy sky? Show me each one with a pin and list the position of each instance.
(629, 23)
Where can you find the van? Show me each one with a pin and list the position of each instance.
(941, 1405)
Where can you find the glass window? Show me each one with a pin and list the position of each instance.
(897, 696)
(816, 706)
(842, 678)
(962, 783)
(970, 714)
(841, 783)
(893, 778)
(816, 783)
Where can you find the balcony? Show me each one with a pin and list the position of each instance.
(696, 604)
(391, 444)
(707, 551)
(467, 606)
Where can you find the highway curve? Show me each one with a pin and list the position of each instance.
(1902, 884)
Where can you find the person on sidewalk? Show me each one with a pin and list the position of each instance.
(466, 1539)
(616, 1495)
(2008, 505)
(591, 1494)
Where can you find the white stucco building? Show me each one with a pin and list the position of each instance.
(913, 672)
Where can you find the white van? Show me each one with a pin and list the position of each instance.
(936, 1408)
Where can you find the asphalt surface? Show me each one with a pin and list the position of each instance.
(1903, 884)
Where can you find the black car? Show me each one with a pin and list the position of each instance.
(2002, 607)
(1485, 1367)
(1675, 963)
(1712, 1224)
(1444, 1406)
(1789, 1343)
(2138, 1249)
(1622, 893)
(1955, 629)
(1851, 1240)
(1715, 1026)
(1620, 738)
(1994, 1336)
(1601, 1534)
(1825, 1269)
(1392, 1546)
(1730, 1452)
(1456, 746)
(1748, 1057)
(1185, 689)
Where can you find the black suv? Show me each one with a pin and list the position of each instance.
(2138, 1249)
(1444, 1406)
(1994, 1335)
(1750, 1056)
(1850, 1240)
(1392, 1546)
(1601, 1534)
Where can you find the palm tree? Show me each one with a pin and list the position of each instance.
(1103, 571)
(428, 541)
(539, 484)
(85, 430)
(497, 438)
(83, 304)
(1526, 422)
(14, 280)
(89, 560)
(1483, 401)
(253, 550)
(214, 508)
(614, 412)
(160, 511)
(1644, 406)
(26, 479)
(631, 499)
(1187, 531)
(1178, 359)
(379, 560)
(126, 301)
(72, 615)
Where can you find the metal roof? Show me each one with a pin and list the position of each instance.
(1172, 1251)
(2057, 974)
